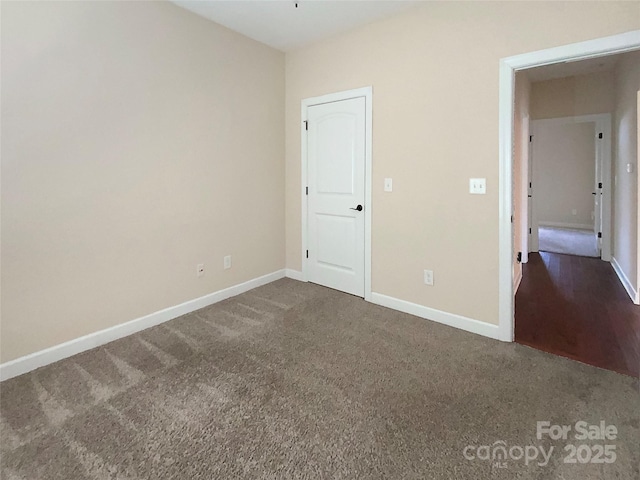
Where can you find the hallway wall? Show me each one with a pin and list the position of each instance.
(558, 189)
(625, 151)
(573, 96)
(564, 174)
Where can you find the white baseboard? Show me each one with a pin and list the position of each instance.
(293, 274)
(517, 281)
(49, 355)
(572, 226)
(451, 319)
(626, 283)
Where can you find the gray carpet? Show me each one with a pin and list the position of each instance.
(572, 242)
(293, 380)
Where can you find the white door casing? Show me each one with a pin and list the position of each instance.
(614, 44)
(532, 239)
(336, 171)
(598, 190)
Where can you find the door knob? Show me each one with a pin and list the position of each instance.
(358, 208)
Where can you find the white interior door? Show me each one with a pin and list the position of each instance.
(336, 181)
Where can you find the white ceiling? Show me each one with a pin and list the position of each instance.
(279, 24)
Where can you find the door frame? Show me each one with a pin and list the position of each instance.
(615, 44)
(602, 164)
(527, 207)
(367, 93)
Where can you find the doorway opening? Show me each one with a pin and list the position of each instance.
(566, 302)
(569, 169)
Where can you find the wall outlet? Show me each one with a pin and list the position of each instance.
(227, 262)
(200, 269)
(428, 277)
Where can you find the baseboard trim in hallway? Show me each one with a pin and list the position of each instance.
(25, 364)
(517, 281)
(453, 320)
(626, 283)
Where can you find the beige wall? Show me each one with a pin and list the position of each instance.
(625, 151)
(434, 72)
(521, 132)
(573, 96)
(138, 140)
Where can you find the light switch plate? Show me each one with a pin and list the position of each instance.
(388, 185)
(478, 186)
(428, 277)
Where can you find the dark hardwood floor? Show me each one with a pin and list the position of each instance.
(576, 307)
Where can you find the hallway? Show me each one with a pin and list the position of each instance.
(576, 307)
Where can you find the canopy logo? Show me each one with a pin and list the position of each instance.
(500, 453)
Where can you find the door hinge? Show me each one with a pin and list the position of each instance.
(529, 184)
(531, 138)
(307, 188)
(600, 185)
(307, 253)
(529, 231)
(306, 125)
(511, 218)
(600, 135)
(519, 257)
(599, 234)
